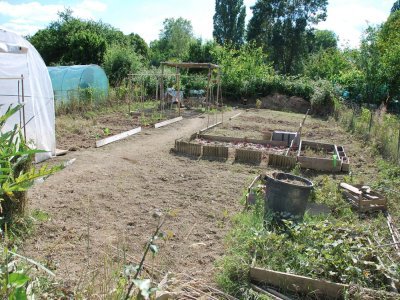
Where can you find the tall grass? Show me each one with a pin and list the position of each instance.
(378, 127)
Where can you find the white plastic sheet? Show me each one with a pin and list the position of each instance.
(18, 58)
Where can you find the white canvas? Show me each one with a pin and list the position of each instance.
(19, 58)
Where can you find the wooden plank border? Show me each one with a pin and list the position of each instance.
(117, 137)
(219, 152)
(281, 161)
(209, 127)
(228, 139)
(248, 156)
(167, 122)
(299, 284)
(188, 148)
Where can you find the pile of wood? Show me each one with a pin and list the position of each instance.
(363, 198)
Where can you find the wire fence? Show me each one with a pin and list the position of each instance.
(374, 126)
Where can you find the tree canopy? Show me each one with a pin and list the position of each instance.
(396, 6)
(70, 40)
(229, 22)
(280, 28)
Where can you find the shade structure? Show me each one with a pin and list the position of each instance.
(78, 82)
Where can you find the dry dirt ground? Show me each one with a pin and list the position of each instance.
(104, 202)
(108, 196)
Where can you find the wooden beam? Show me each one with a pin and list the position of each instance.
(117, 137)
(235, 116)
(299, 284)
(350, 188)
(167, 122)
(190, 65)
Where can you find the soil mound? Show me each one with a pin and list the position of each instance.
(285, 103)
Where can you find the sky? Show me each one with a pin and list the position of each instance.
(347, 18)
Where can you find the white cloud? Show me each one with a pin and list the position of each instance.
(27, 18)
(349, 19)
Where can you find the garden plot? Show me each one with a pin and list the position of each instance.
(256, 136)
(80, 131)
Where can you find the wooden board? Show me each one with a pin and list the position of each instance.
(228, 139)
(209, 127)
(60, 152)
(167, 122)
(235, 116)
(248, 156)
(299, 284)
(319, 164)
(281, 161)
(188, 148)
(117, 137)
(219, 152)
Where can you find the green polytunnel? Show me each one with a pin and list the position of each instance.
(78, 82)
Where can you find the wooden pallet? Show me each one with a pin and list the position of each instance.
(363, 201)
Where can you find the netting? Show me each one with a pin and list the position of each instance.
(77, 82)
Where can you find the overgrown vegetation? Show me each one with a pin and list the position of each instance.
(335, 247)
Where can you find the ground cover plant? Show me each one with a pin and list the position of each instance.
(337, 247)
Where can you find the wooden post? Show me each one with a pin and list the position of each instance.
(398, 146)
(370, 123)
(162, 96)
(178, 79)
(208, 96)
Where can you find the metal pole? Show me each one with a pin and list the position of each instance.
(370, 123)
(23, 104)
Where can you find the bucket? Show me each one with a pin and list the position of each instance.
(287, 196)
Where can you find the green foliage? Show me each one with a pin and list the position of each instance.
(323, 40)
(333, 247)
(327, 64)
(119, 62)
(322, 100)
(395, 7)
(280, 27)
(174, 42)
(16, 173)
(70, 40)
(229, 21)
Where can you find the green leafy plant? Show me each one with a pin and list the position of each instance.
(16, 172)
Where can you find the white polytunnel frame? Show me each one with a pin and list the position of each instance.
(24, 79)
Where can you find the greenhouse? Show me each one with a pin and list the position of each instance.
(78, 82)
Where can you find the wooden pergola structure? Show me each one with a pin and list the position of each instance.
(210, 79)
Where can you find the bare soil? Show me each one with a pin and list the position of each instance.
(101, 207)
(107, 199)
(81, 131)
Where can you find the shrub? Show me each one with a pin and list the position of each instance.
(322, 100)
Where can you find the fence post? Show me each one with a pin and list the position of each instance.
(398, 147)
(370, 122)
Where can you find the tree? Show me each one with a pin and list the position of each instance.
(389, 48)
(395, 7)
(323, 39)
(70, 40)
(280, 27)
(175, 38)
(229, 21)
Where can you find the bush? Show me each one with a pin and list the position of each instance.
(119, 62)
(322, 100)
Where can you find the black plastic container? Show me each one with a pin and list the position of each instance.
(286, 199)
